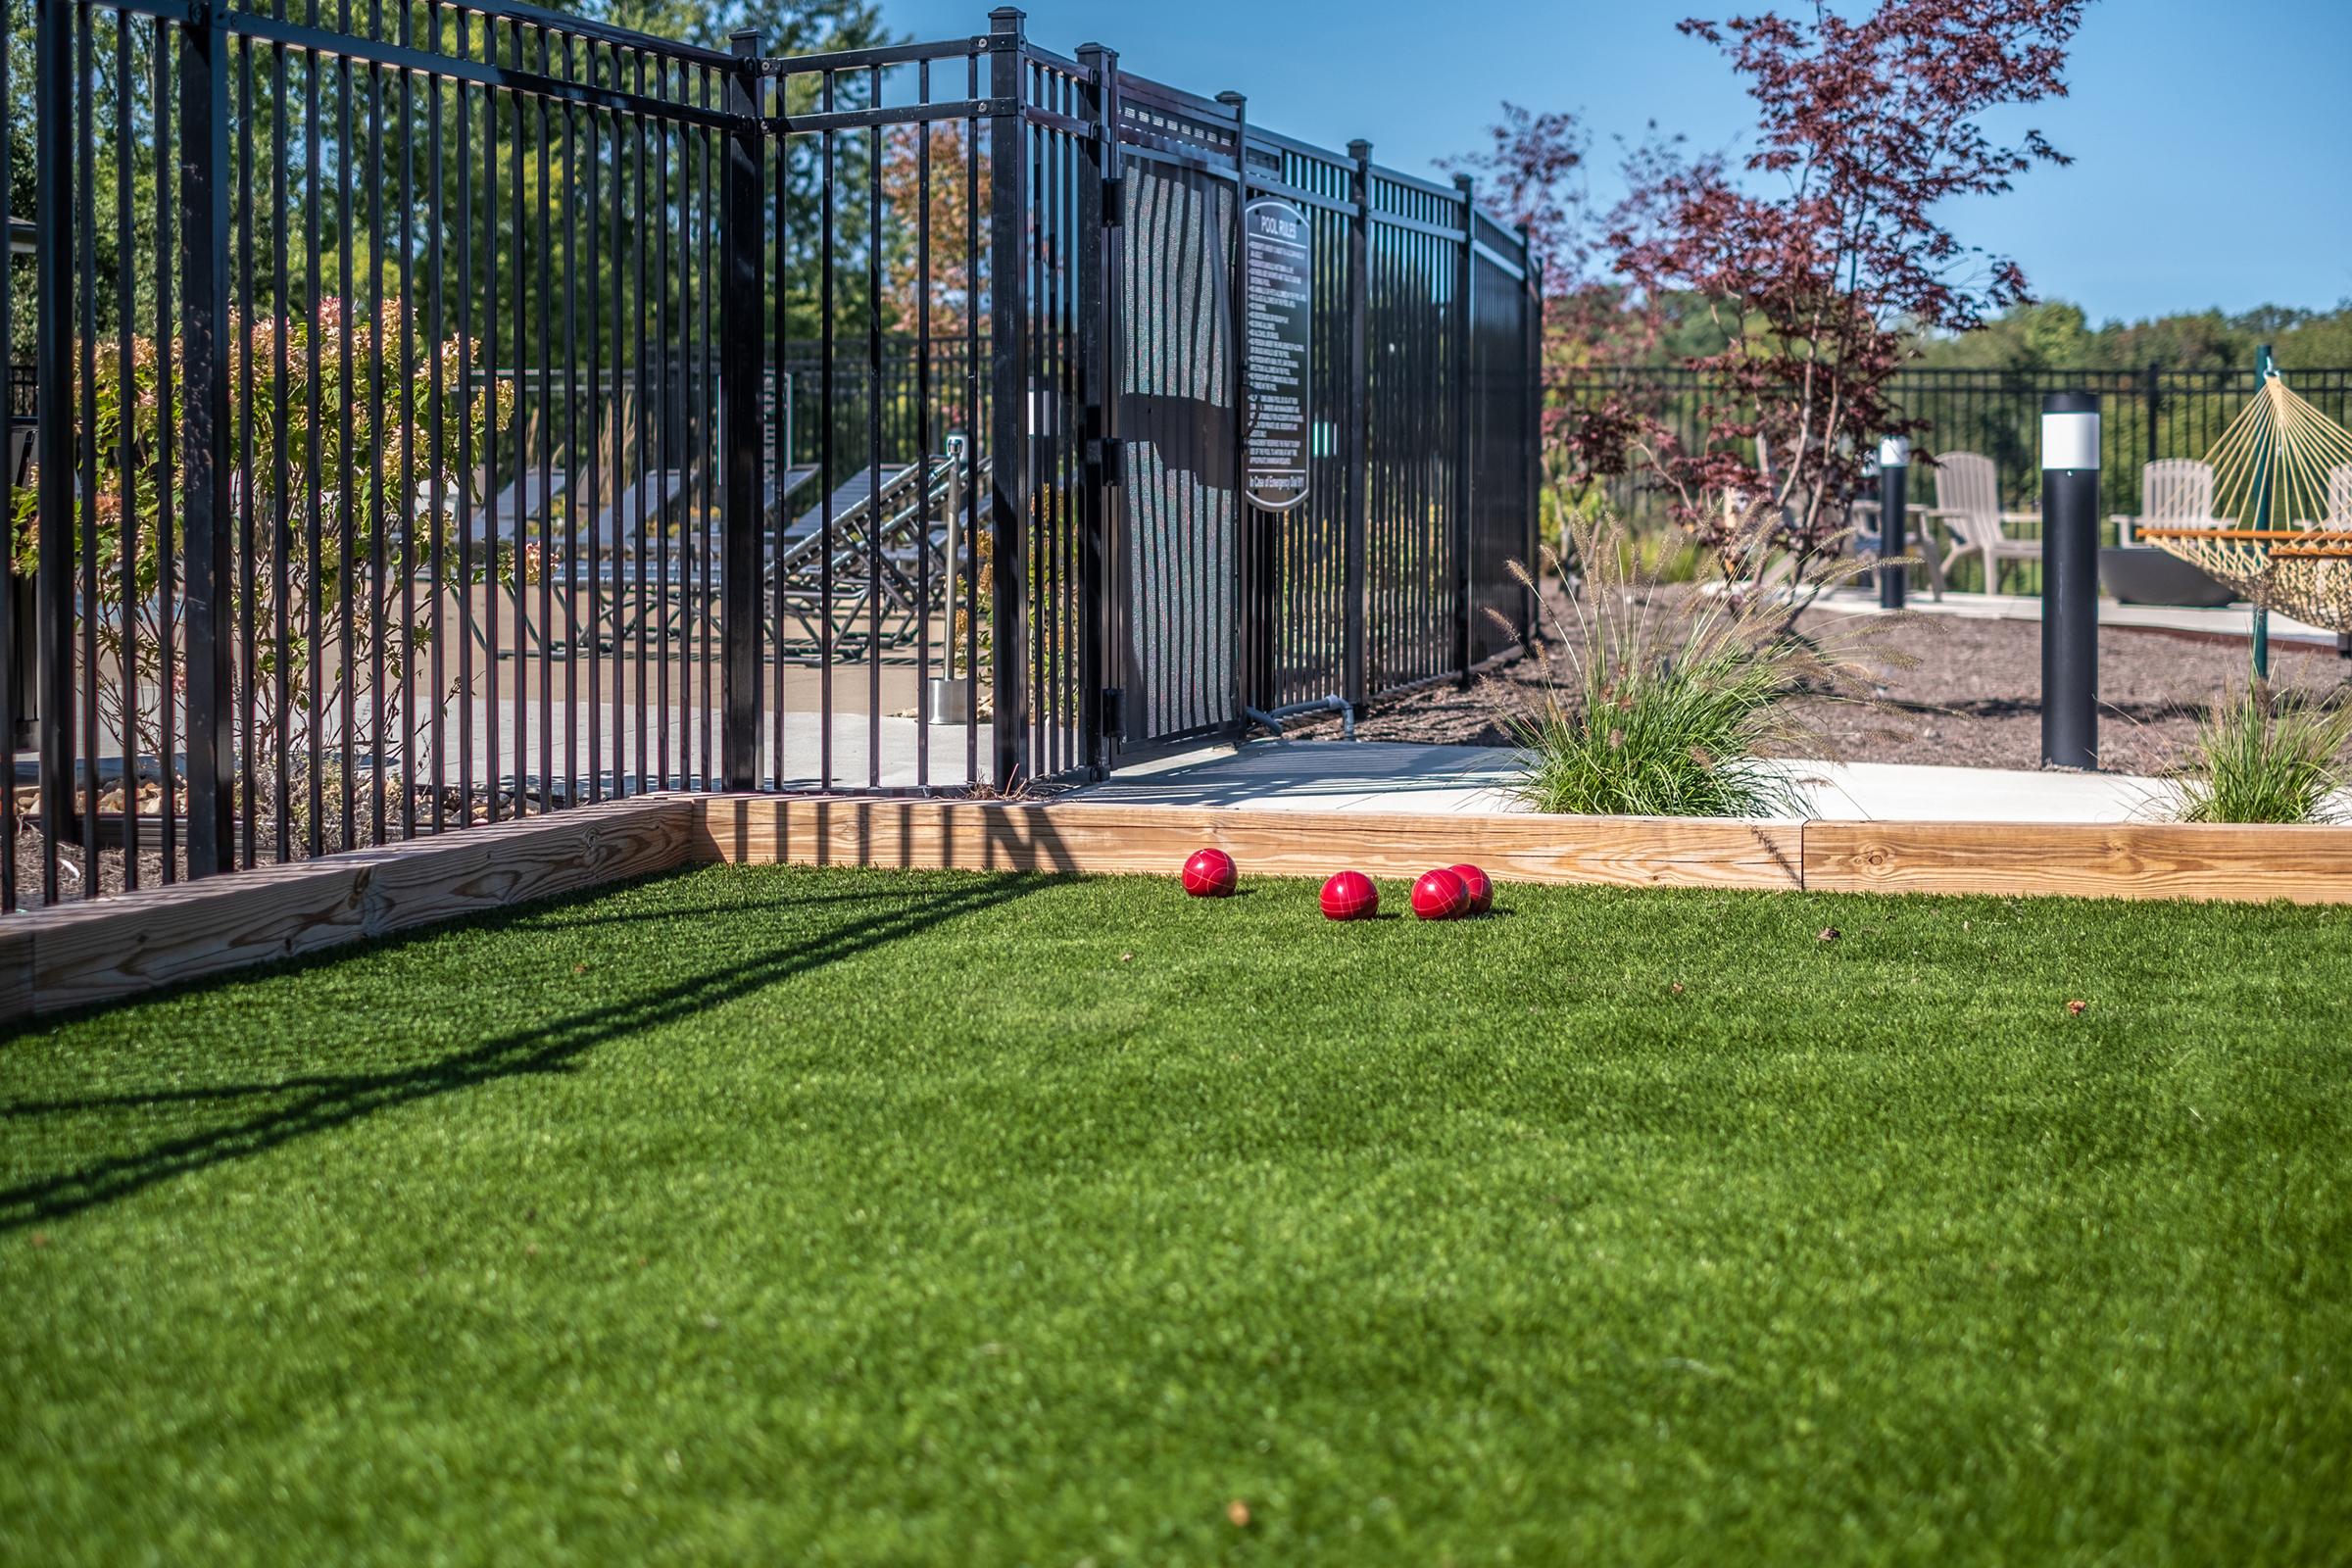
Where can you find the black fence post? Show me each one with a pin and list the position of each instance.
(1894, 509)
(1255, 531)
(1531, 616)
(1100, 216)
(1465, 493)
(1356, 431)
(207, 520)
(1010, 395)
(2069, 579)
(742, 439)
(53, 307)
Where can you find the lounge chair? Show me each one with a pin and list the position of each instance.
(842, 531)
(2173, 493)
(526, 501)
(780, 488)
(1869, 538)
(1967, 503)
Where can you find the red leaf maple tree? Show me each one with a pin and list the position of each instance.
(1819, 256)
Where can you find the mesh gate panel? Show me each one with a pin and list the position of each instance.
(1181, 496)
(1501, 436)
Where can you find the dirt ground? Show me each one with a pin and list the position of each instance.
(1972, 696)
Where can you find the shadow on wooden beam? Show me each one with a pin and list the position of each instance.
(78, 954)
(1081, 837)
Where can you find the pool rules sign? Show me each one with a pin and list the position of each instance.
(1278, 308)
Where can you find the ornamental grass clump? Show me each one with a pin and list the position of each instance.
(1660, 702)
(2261, 759)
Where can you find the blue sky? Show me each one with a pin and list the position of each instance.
(2213, 138)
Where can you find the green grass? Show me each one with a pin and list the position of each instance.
(860, 1218)
(2260, 759)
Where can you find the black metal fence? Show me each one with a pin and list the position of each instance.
(2146, 415)
(379, 468)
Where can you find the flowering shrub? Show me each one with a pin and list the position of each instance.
(302, 548)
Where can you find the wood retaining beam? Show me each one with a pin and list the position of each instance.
(79, 953)
(1080, 836)
(2303, 865)
(2230, 861)
(72, 955)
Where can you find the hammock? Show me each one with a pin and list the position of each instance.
(2274, 462)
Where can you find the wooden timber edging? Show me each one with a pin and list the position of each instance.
(2239, 862)
(1082, 836)
(80, 954)
(2304, 864)
(74, 954)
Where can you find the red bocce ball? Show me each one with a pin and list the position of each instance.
(1350, 896)
(1209, 874)
(1481, 886)
(1441, 895)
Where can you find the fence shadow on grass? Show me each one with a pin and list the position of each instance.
(325, 1102)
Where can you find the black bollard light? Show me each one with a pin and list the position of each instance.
(2069, 579)
(1894, 484)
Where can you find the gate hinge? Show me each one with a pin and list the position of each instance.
(1108, 454)
(1114, 722)
(1114, 201)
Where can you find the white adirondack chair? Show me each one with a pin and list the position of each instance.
(2173, 493)
(2338, 500)
(1869, 538)
(1968, 502)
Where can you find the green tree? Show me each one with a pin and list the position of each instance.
(2056, 335)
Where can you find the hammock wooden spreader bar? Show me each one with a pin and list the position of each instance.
(2271, 466)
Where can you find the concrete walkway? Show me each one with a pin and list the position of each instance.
(2229, 621)
(1441, 780)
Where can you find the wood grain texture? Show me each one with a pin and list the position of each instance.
(1079, 835)
(2118, 861)
(15, 969)
(107, 949)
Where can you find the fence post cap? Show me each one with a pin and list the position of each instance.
(1006, 19)
(1360, 150)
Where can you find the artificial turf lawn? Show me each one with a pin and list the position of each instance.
(869, 1218)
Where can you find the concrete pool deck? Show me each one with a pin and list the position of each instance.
(2228, 622)
(1275, 775)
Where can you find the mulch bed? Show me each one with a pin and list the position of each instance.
(1972, 696)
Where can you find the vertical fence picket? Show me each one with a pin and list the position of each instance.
(1355, 427)
(741, 311)
(203, 281)
(55, 276)
(1009, 393)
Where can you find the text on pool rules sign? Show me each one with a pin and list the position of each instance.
(1278, 314)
